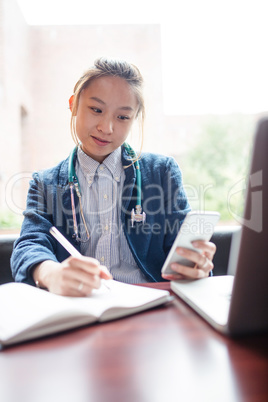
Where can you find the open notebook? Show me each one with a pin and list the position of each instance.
(27, 312)
(238, 304)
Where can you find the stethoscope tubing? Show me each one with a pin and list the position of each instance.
(74, 184)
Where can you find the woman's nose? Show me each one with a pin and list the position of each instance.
(105, 125)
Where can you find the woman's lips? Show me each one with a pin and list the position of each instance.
(99, 141)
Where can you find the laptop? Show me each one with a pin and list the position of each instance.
(237, 303)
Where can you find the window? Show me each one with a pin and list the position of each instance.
(205, 73)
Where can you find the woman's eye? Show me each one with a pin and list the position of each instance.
(123, 117)
(95, 109)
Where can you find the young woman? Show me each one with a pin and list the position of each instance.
(122, 211)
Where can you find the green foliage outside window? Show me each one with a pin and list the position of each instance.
(10, 220)
(217, 164)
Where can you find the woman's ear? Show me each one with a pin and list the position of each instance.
(71, 103)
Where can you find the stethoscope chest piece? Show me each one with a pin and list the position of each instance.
(138, 215)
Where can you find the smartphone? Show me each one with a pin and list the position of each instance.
(196, 226)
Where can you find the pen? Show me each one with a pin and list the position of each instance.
(66, 244)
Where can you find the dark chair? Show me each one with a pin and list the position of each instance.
(222, 238)
(6, 247)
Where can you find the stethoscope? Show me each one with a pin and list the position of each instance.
(136, 216)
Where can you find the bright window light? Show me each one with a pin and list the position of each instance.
(214, 53)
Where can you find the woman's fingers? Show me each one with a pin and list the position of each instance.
(189, 272)
(87, 264)
(173, 277)
(78, 276)
(208, 248)
(202, 262)
(104, 273)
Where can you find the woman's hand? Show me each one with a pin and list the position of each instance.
(203, 262)
(75, 276)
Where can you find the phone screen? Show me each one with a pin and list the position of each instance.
(196, 226)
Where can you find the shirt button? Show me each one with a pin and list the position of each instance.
(101, 168)
(116, 178)
(102, 259)
(105, 196)
(106, 227)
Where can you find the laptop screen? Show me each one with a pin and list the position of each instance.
(250, 290)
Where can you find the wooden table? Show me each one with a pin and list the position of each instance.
(166, 354)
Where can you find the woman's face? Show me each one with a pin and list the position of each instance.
(106, 111)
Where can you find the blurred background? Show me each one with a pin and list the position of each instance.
(205, 67)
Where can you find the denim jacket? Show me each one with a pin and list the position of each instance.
(49, 204)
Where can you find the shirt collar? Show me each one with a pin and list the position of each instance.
(90, 167)
(114, 164)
